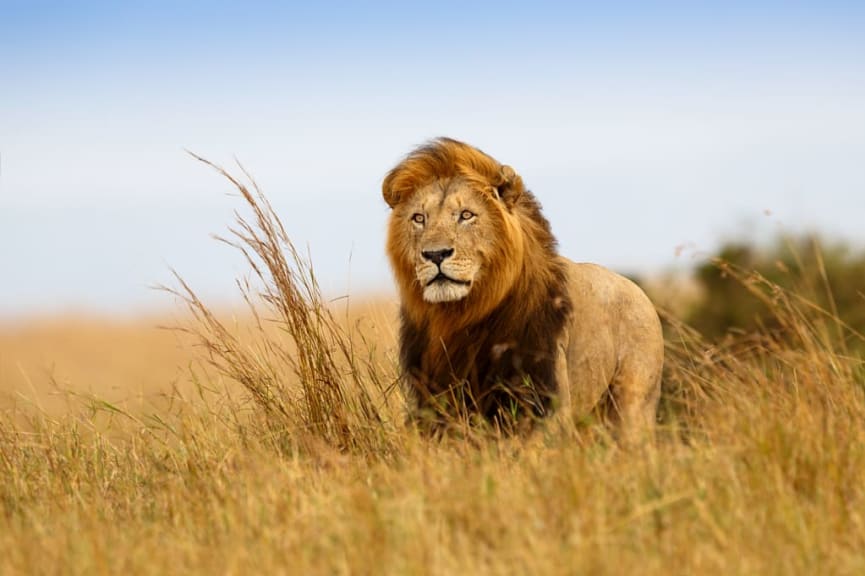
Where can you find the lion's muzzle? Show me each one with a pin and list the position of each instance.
(442, 277)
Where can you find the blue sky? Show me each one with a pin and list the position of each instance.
(642, 127)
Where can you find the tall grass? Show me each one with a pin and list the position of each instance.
(310, 379)
(294, 459)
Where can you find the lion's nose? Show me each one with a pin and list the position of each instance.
(437, 256)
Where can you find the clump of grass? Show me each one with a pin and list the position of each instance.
(311, 379)
(805, 360)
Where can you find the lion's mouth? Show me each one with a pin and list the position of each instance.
(442, 278)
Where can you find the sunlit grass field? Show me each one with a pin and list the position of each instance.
(271, 440)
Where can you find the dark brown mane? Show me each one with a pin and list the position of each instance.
(505, 361)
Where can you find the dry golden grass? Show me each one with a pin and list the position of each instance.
(284, 452)
(123, 361)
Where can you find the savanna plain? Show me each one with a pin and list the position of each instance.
(271, 439)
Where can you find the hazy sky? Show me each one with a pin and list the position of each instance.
(642, 127)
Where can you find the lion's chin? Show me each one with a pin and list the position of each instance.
(445, 291)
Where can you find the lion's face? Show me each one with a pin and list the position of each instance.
(447, 235)
(456, 239)
(452, 237)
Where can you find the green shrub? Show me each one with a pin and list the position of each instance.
(831, 276)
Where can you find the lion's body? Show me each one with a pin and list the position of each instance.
(612, 351)
(494, 321)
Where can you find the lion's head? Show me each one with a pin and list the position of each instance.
(455, 237)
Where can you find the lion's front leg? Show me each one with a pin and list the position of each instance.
(423, 411)
(563, 409)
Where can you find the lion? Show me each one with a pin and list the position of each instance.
(494, 323)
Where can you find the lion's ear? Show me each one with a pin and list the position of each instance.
(510, 186)
(390, 193)
(390, 196)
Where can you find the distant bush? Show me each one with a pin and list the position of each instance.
(740, 286)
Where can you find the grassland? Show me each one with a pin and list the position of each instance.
(275, 444)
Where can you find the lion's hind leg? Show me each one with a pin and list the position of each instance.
(631, 405)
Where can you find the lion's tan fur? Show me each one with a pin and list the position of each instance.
(516, 309)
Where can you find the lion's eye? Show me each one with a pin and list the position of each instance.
(418, 218)
(466, 215)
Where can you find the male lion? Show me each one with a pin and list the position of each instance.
(493, 321)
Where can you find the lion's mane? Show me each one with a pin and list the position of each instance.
(495, 350)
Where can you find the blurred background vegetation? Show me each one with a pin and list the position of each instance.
(738, 287)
